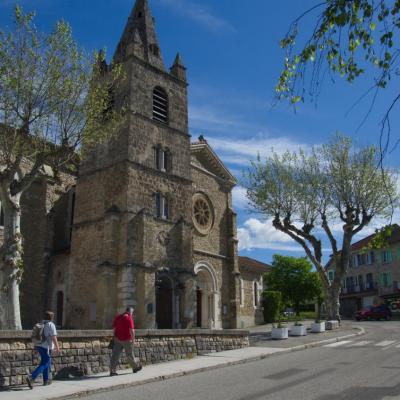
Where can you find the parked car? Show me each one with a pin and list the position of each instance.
(374, 312)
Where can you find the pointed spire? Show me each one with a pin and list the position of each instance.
(140, 25)
(178, 69)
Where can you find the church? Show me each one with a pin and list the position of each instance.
(147, 221)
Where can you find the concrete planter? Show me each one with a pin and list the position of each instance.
(332, 325)
(318, 327)
(280, 333)
(298, 330)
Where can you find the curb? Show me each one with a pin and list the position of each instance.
(361, 331)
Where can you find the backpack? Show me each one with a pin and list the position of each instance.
(38, 336)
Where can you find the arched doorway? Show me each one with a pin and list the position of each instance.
(206, 297)
(164, 302)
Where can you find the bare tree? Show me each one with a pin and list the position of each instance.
(54, 101)
(306, 195)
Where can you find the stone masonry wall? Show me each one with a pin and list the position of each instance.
(88, 350)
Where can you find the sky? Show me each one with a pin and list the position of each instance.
(233, 59)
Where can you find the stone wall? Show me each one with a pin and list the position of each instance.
(87, 350)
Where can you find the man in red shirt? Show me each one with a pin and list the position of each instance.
(124, 339)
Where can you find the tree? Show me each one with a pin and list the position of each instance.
(294, 278)
(54, 100)
(349, 38)
(309, 195)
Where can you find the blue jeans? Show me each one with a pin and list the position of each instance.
(45, 364)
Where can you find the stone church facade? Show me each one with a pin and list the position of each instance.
(147, 222)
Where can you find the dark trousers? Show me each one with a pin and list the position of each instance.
(45, 364)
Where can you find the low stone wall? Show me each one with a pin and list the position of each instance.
(87, 350)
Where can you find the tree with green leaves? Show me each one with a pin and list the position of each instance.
(311, 195)
(54, 101)
(349, 39)
(294, 278)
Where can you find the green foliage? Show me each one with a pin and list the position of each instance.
(350, 37)
(306, 194)
(294, 279)
(272, 304)
(380, 239)
(54, 98)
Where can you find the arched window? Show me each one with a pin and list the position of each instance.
(160, 105)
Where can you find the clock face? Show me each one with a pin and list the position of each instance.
(203, 215)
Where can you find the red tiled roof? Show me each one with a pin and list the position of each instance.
(394, 238)
(254, 265)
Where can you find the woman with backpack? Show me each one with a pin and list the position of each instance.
(44, 336)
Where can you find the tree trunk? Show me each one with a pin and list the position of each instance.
(332, 303)
(11, 266)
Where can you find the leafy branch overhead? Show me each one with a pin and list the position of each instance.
(351, 38)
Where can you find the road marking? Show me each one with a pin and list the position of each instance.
(361, 343)
(337, 344)
(385, 343)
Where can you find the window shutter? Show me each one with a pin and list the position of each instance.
(160, 105)
(389, 279)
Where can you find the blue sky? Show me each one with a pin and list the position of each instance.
(231, 50)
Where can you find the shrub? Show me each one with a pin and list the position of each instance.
(272, 303)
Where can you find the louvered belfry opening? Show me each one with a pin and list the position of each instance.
(160, 105)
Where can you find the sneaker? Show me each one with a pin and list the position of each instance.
(47, 383)
(137, 369)
(29, 382)
(113, 373)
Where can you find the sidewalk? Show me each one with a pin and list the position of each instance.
(158, 372)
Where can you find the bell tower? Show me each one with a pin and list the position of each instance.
(132, 229)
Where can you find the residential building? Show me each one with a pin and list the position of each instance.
(373, 275)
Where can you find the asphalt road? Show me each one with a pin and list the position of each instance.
(366, 368)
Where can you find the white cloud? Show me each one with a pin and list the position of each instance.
(256, 234)
(199, 14)
(240, 201)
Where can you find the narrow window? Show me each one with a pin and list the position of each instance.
(372, 256)
(160, 105)
(1, 215)
(162, 209)
(162, 159)
(60, 309)
(241, 292)
(255, 294)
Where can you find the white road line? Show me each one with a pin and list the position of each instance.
(361, 343)
(385, 343)
(337, 344)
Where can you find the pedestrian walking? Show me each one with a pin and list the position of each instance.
(124, 339)
(44, 335)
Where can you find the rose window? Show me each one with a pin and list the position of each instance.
(202, 213)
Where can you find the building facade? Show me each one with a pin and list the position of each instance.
(146, 222)
(373, 276)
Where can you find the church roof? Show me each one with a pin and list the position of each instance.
(140, 29)
(250, 264)
(203, 151)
